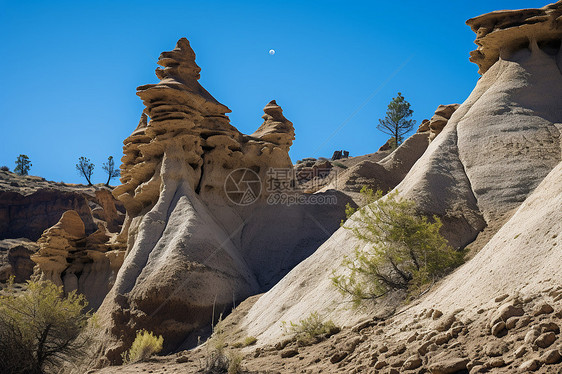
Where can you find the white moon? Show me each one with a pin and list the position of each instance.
(272, 52)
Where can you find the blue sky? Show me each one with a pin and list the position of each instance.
(71, 68)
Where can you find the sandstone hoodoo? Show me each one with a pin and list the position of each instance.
(84, 263)
(201, 229)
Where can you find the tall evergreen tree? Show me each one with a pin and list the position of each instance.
(22, 165)
(396, 122)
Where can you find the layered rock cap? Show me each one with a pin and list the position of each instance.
(500, 34)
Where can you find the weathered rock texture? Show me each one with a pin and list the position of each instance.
(498, 147)
(502, 33)
(29, 205)
(192, 251)
(439, 120)
(386, 173)
(14, 259)
(32, 208)
(84, 263)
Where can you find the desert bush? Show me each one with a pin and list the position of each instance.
(339, 164)
(250, 340)
(217, 359)
(405, 252)
(40, 328)
(5, 168)
(310, 329)
(234, 363)
(145, 345)
(247, 341)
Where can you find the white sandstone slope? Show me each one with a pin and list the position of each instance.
(499, 145)
(525, 256)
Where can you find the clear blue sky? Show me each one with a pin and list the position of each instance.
(70, 68)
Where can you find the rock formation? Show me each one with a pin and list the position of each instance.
(498, 147)
(14, 259)
(29, 205)
(386, 173)
(70, 258)
(202, 229)
(501, 34)
(439, 120)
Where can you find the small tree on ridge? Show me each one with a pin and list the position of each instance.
(85, 168)
(109, 168)
(22, 165)
(396, 122)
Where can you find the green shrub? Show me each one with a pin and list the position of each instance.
(146, 345)
(339, 164)
(405, 252)
(5, 168)
(40, 328)
(250, 340)
(247, 341)
(234, 363)
(308, 330)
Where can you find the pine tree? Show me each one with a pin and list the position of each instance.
(396, 122)
(22, 165)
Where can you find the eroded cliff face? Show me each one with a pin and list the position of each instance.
(201, 229)
(34, 209)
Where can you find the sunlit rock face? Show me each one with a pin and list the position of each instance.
(202, 230)
(68, 257)
(496, 160)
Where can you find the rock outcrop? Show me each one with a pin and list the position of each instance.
(211, 214)
(84, 263)
(29, 205)
(386, 173)
(439, 120)
(498, 147)
(503, 33)
(14, 259)
(389, 171)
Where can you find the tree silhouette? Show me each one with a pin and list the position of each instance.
(109, 168)
(396, 122)
(22, 165)
(85, 168)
